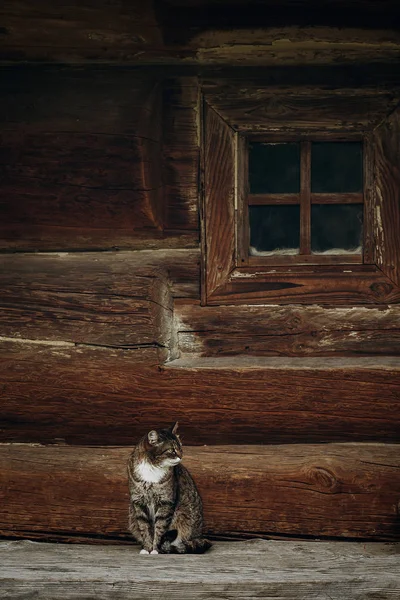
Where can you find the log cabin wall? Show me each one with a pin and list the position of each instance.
(102, 331)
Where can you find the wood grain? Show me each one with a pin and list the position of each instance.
(78, 33)
(305, 198)
(327, 490)
(67, 179)
(181, 152)
(248, 570)
(97, 396)
(338, 285)
(84, 299)
(219, 190)
(242, 202)
(387, 196)
(88, 100)
(80, 157)
(197, 33)
(273, 569)
(180, 266)
(254, 108)
(287, 330)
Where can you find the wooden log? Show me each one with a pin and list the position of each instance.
(248, 106)
(84, 299)
(181, 267)
(96, 396)
(328, 490)
(92, 161)
(181, 152)
(42, 238)
(218, 213)
(287, 330)
(178, 33)
(80, 100)
(386, 206)
(80, 158)
(229, 571)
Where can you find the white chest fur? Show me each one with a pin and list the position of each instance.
(149, 473)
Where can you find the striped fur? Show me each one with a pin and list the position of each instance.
(165, 513)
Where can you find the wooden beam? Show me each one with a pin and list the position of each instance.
(218, 164)
(180, 266)
(287, 330)
(251, 570)
(84, 299)
(253, 108)
(201, 33)
(80, 158)
(386, 196)
(327, 490)
(181, 152)
(97, 396)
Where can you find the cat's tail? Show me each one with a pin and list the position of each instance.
(195, 546)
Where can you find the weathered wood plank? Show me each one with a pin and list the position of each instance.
(80, 158)
(181, 152)
(387, 196)
(340, 490)
(80, 100)
(41, 238)
(66, 180)
(229, 571)
(94, 396)
(84, 298)
(180, 266)
(308, 284)
(287, 330)
(218, 164)
(89, 160)
(248, 106)
(197, 32)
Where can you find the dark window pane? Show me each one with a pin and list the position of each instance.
(274, 229)
(336, 228)
(274, 168)
(336, 167)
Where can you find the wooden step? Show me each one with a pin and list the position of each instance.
(325, 490)
(248, 570)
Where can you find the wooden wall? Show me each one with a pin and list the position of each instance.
(82, 160)
(100, 291)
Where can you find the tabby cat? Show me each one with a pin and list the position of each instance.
(165, 512)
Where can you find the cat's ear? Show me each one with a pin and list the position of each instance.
(152, 436)
(174, 428)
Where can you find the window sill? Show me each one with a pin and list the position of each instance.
(380, 363)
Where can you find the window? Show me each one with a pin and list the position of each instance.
(304, 202)
(310, 215)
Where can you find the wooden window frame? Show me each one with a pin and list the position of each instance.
(225, 280)
(304, 198)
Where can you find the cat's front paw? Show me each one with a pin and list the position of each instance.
(154, 552)
(143, 551)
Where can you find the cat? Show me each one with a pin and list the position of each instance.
(165, 512)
